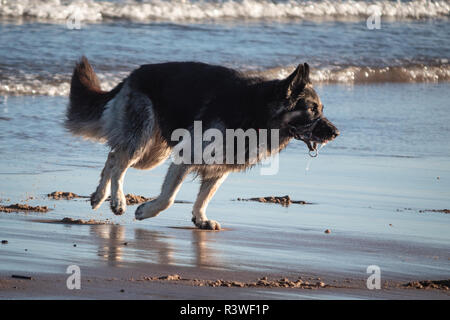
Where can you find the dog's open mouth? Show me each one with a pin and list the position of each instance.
(315, 146)
(316, 135)
(313, 143)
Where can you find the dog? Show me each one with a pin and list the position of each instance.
(137, 118)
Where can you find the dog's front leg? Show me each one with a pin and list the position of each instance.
(207, 189)
(172, 183)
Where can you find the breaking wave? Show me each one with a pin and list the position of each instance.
(192, 10)
(59, 84)
(361, 75)
(54, 85)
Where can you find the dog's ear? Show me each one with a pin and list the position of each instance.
(297, 80)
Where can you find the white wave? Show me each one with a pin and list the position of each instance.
(357, 75)
(179, 10)
(59, 84)
(56, 85)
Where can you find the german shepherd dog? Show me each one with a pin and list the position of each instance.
(137, 117)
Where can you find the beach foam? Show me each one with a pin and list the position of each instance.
(365, 74)
(59, 84)
(55, 85)
(181, 10)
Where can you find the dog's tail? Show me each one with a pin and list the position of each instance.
(86, 102)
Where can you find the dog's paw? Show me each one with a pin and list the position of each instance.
(206, 224)
(97, 199)
(139, 214)
(118, 205)
(147, 210)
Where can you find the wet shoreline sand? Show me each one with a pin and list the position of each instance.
(371, 188)
(121, 279)
(116, 263)
(130, 283)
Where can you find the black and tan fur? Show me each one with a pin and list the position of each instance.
(137, 117)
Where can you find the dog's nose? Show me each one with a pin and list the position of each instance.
(336, 133)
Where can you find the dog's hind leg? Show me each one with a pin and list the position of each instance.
(112, 179)
(101, 193)
(172, 183)
(208, 188)
(121, 163)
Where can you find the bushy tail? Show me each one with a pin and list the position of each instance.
(87, 102)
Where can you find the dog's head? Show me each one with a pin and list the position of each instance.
(302, 110)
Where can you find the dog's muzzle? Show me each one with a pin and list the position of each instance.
(320, 131)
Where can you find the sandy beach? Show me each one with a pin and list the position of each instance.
(373, 206)
(252, 258)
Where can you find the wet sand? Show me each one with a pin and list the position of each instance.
(164, 262)
(260, 254)
(129, 282)
(360, 198)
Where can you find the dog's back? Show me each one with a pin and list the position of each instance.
(183, 92)
(180, 92)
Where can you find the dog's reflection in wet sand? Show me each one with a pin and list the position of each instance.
(155, 246)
